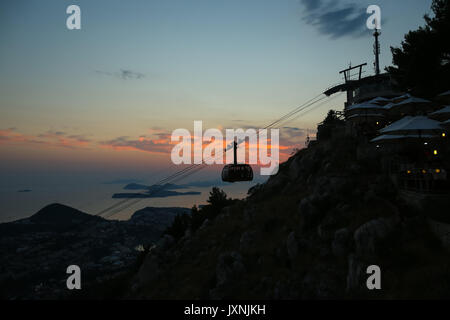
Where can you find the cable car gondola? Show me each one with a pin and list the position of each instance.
(237, 172)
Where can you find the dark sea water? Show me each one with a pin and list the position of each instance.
(92, 198)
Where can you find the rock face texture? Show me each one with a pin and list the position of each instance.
(370, 238)
(309, 232)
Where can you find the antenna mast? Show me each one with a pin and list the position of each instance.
(376, 51)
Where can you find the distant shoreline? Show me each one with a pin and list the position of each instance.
(161, 194)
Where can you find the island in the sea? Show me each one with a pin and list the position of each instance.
(159, 194)
(154, 191)
(167, 186)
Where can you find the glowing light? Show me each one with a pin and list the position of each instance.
(438, 170)
(435, 152)
(408, 172)
(443, 135)
(424, 171)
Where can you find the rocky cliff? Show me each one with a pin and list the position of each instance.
(310, 232)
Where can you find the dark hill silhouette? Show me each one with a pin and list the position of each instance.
(60, 214)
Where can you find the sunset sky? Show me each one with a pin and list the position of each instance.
(106, 98)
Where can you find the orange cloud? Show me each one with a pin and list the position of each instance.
(145, 144)
(47, 139)
(156, 142)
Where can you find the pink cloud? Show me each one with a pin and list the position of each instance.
(49, 139)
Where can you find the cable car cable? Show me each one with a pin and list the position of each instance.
(184, 173)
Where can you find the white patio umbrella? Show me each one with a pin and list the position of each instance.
(444, 97)
(394, 137)
(379, 101)
(441, 114)
(408, 105)
(413, 125)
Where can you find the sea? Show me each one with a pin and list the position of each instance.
(92, 197)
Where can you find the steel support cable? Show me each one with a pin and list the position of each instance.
(184, 173)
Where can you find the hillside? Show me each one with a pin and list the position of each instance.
(59, 214)
(35, 252)
(310, 232)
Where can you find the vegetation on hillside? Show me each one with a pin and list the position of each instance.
(216, 202)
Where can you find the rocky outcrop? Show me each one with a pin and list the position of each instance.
(342, 242)
(292, 246)
(247, 240)
(310, 232)
(354, 274)
(372, 236)
(309, 213)
(230, 268)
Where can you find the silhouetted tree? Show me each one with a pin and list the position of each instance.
(217, 201)
(218, 198)
(179, 226)
(331, 117)
(197, 218)
(422, 63)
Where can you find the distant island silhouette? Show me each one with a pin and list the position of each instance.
(159, 194)
(167, 186)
